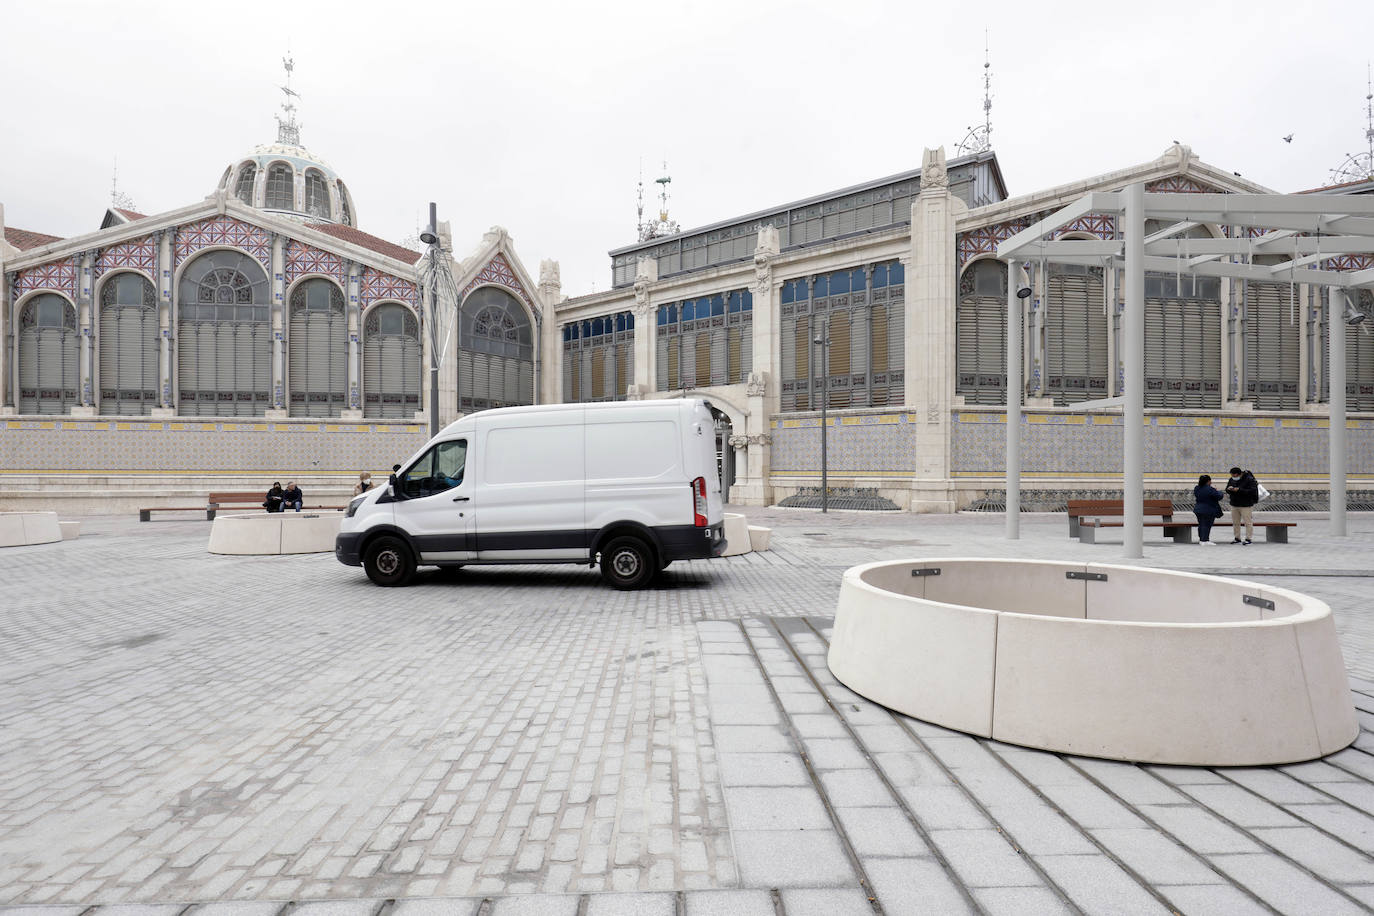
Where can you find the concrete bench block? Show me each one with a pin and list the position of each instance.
(271, 533)
(1106, 661)
(736, 534)
(19, 529)
(70, 530)
(759, 537)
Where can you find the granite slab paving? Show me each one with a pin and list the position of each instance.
(227, 736)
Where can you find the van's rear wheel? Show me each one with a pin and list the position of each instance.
(627, 563)
(389, 562)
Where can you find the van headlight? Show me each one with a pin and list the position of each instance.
(353, 506)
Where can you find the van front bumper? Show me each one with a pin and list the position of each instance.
(688, 542)
(346, 548)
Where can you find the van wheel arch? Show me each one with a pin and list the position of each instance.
(627, 529)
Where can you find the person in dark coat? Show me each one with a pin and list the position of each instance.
(292, 498)
(1243, 491)
(1207, 508)
(274, 497)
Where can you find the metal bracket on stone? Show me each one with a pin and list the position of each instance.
(933, 571)
(1091, 577)
(1258, 602)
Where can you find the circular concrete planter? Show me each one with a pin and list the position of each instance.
(18, 529)
(736, 535)
(1105, 661)
(268, 533)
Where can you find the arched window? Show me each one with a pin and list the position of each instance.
(496, 354)
(224, 336)
(345, 210)
(316, 194)
(49, 353)
(244, 189)
(980, 334)
(281, 190)
(318, 350)
(391, 362)
(1075, 334)
(128, 345)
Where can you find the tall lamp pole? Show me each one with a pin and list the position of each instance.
(822, 340)
(431, 238)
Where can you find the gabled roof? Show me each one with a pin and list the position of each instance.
(118, 216)
(23, 239)
(363, 240)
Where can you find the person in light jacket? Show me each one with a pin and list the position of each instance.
(1207, 507)
(1243, 491)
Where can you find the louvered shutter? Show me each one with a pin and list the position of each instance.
(896, 345)
(1271, 348)
(718, 362)
(662, 375)
(746, 363)
(1076, 339)
(788, 355)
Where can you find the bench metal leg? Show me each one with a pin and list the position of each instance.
(144, 515)
(1276, 535)
(209, 515)
(1087, 534)
(1182, 534)
(1073, 527)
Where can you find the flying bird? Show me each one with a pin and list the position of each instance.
(1288, 139)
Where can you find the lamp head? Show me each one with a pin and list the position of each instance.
(429, 237)
(1023, 292)
(1354, 316)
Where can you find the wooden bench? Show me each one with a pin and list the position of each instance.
(223, 499)
(1079, 509)
(1182, 532)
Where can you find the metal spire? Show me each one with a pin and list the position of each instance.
(288, 131)
(118, 199)
(979, 139)
(1360, 166)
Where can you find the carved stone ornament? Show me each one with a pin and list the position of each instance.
(933, 412)
(549, 274)
(633, 392)
(641, 308)
(933, 174)
(761, 439)
(763, 272)
(757, 385)
(739, 441)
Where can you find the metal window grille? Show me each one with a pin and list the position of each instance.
(244, 189)
(317, 350)
(391, 363)
(981, 334)
(224, 337)
(496, 356)
(864, 309)
(1359, 353)
(1271, 346)
(316, 194)
(281, 187)
(706, 341)
(345, 211)
(128, 346)
(1075, 334)
(1182, 341)
(598, 358)
(49, 351)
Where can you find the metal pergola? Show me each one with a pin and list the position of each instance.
(1304, 230)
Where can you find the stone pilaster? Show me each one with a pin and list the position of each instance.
(278, 409)
(166, 361)
(755, 445)
(931, 284)
(550, 336)
(6, 327)
(85, 324)
(354, 408)
(646, 329)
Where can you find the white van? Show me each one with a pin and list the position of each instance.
(632, 482)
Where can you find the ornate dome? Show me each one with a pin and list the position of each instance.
(287, 179)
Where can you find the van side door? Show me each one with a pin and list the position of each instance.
(436, 506)
(532, 489)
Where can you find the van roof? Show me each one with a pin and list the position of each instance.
(466, 422)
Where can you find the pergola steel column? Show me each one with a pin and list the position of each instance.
(1338, 304)
(1014, 388)
(1133, 405)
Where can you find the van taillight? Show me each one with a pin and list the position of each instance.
(699, 502)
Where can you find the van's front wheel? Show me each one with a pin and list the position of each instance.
(389, 562)
(627, 563)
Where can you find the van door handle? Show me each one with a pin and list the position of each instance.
(460, 499)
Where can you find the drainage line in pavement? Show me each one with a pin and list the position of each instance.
(776, 896)
(901, 802)
(680, 904)
(854, 862)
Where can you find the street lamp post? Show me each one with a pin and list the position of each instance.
(822, 340)
(431, 238)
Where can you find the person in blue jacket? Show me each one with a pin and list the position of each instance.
(1207, 507)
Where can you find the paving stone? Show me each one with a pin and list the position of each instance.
(942, 807)
(1284, 886)
(1322, 855)
(1020, 901)
(1199, 830)
(916, 887)
(535, 905)
(338, 908)
(1156, 858)
(881, 832)
(1213, 898)
(1090, 807)
(632, 905)
(792, 858)
(751, 769)
(1096, 884)
(825, 902)
(984, 858)
(1240, 806)
(243, 908)
(780, 808)
(447, 906)
(853, 788)
(729, 903)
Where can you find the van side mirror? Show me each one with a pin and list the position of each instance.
(395, 489)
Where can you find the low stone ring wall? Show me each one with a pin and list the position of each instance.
(268, 533)
(20, 528)
(1104, 661)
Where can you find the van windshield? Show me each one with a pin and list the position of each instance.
(437, 470)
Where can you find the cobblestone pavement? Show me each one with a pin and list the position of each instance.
(178, 728)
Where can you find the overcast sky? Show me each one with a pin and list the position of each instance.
(536, 115)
